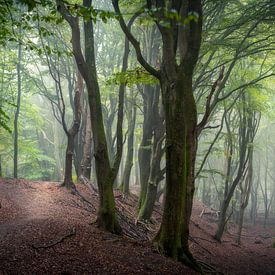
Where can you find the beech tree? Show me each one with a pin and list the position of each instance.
(180, 116)
(105, 173)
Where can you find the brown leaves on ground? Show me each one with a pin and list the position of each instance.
(45, 228)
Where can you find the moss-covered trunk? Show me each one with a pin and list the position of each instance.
(181, 144)
(180, 51)
(105, 175)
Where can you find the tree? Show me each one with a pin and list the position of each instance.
(180, 117)
(106, 174)
(18, 105)
(250, 120)
(71, 133)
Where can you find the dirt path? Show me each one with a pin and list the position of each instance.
(44, 228)
(35, 219)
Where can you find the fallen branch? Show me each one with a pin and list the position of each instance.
(193, 240)
(194, 237)
(264, 237)
(86, 181)
(207, 268)
(53, 243)
(129, 228)
(211, 212)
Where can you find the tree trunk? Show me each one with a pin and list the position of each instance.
(130, 148)
(145, 148)
(175, 76)
(1, 173)
(109, 121)
(68, 180)
(147, 208)
(58, 158)
(254, 200)
(17, 112)
(155, 176)
(71, 133)
(136, 165)
(221, 222)
(240, 225)
(86, 161)
(246, 189)
(181, 145)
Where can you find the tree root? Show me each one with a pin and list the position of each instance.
(195, 237)
(207, 268)
(193, 240)
(53, 243)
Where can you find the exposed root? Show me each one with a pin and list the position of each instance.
(53, 243)
(207, 268)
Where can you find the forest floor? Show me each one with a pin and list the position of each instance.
(46, 229)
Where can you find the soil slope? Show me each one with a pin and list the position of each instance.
(46, 229)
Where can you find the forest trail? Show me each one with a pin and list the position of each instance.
(45, 228)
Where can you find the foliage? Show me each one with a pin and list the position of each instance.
(132, 77)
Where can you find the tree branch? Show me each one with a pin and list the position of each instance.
(134, 42)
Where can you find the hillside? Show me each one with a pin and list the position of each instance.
(45, 228)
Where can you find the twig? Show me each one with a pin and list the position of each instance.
(194, 237)
(207, 268)
(53, 243)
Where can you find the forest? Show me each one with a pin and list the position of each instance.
(136, 136)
